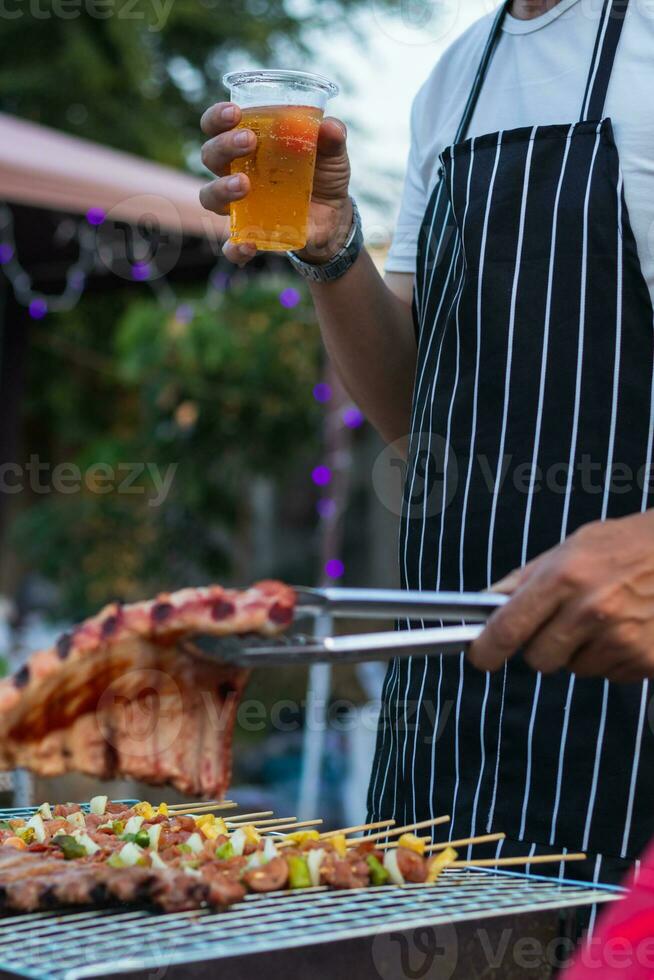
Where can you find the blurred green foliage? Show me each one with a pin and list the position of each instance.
(206, 398)
(221, 398)
(135, 74)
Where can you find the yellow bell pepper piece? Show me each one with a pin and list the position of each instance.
(252, 835)
(339, 843)
(412, 843)
(163, 809)
(301, 836)
(438, 862)
(145, 810)
(211, 826)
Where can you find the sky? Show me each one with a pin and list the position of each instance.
(379, 77)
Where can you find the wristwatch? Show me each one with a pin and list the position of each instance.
(341, 262)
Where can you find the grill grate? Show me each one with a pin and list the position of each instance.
(71, 945)
(106, 942)
(28, 811)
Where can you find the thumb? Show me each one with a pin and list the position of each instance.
(332, 137)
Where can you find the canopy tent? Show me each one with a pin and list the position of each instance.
(48, 169)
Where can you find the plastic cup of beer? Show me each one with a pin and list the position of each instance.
(284, 109)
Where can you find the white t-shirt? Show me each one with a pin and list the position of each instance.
(537, 77)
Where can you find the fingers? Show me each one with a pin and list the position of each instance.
(239, 254)
(218, 195)
(555, 646)
(512, 626)
(518, 577)
(219, 153)
(332, 137)
(219, 118)
(594, 660)
(508, 585)
(225, 145)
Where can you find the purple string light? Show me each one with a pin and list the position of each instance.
(335, 568)
(77, 279)
(219, 279)
(140, 271)
(289, 298)
(321, 476)
(326, 508)
(6, 253)
(38, 309)
(322, 393)
(353, 418)
(184, 313)
(95, 216)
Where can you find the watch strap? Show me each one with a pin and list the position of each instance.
(341, 262)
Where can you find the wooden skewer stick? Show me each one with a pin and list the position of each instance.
(233, 822)
(397, 831)
(393, 843)
(356, 830)
(201, 807)
(249, 817)
(465, 841)
(290, 828)
(198, 803)
(516, 861)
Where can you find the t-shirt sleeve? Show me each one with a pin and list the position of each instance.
(404, 247)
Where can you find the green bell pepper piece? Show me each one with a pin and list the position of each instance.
(378, 873)
(298, 872)
(72, 848)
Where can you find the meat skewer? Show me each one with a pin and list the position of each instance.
(145, 855)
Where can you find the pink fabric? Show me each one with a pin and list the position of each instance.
(623, 941)
(46, 168)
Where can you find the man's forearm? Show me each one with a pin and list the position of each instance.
(368, 333)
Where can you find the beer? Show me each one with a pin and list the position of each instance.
(284, 110)
(275, 213)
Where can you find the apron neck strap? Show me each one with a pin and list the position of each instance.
(601, 69)
(489, 51)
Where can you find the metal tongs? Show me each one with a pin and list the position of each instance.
(323, 605)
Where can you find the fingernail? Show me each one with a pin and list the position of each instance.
(229, 113)
(234, 183)
(245, 250)
(242, 138)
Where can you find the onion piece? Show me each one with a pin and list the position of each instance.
(37, 825)
(239, 840)
(270, 849)
(154, 833)
(77, 819)
(133, 825)
(315, 859)
(157, 862)
(130, 854)
(391, 865)
(196, 843)
(45, 811)
(98, 805)
(255, 860)
(87, 843)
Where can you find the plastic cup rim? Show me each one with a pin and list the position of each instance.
(280, 75)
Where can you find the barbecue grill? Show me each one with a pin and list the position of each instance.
(468, 924)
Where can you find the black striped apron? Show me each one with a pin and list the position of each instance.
(532, 416)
